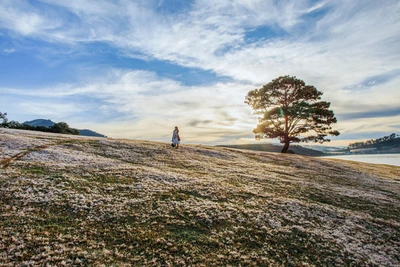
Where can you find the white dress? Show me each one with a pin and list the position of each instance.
(175, 137)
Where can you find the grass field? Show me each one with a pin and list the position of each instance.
(79, 201)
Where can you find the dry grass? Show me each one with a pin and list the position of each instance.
(68, 201)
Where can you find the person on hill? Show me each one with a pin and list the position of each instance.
(175, 137)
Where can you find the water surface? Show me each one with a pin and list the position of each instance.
(390, 159)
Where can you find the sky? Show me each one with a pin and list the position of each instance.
(135, 69)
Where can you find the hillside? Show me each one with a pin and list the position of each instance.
(386, 146)
(79, 201)
(299, 150)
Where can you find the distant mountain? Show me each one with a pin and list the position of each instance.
(49, 123)
(40, 122)
(87, 132)
(273, 148)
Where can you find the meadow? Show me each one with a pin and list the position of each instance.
(81, 201)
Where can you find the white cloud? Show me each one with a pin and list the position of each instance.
(143, 106)
(345, 46)
(88, 7)
(8, 51)
(352, 41)
(24, 19)
(57, 111)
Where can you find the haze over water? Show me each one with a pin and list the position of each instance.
(390, 159)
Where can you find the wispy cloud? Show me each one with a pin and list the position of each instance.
(8, 51)
(144, 105)
(347, 37)
(25, 19)
(348, 50)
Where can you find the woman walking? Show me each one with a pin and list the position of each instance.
(175, 137)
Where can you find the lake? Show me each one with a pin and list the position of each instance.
(390, 159)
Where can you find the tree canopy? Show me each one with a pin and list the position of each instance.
(291, 111)
(3, 117)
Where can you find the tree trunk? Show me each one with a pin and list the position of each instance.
(285, 147)
(286, 137)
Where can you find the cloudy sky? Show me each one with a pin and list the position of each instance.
(135, 69)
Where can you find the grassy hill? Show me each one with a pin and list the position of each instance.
(79, 201)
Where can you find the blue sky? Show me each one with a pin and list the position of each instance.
(135, 69)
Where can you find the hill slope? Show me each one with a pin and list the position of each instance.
(84, 201)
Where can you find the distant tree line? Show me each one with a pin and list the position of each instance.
(373, 141)
(60, 127)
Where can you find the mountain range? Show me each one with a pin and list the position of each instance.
(50, 123)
